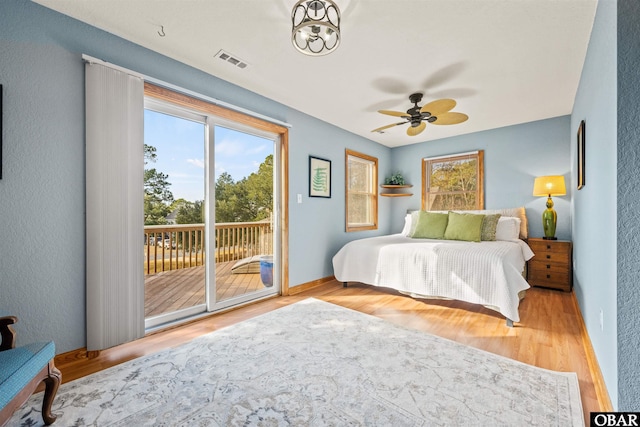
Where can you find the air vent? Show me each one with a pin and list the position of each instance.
(231, 59)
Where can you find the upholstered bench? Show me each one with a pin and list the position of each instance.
(22, 369)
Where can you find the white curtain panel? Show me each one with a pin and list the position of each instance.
(114, 212)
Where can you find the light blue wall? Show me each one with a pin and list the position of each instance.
(42, 226)
(594, 206)
(628, 205)
(513, 157)
(317, 225)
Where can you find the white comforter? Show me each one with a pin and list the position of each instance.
(487, 273)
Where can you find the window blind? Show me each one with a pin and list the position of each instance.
(114, 206)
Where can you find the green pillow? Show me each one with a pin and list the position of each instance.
(466, 227)
(489, 226)
(430, 225)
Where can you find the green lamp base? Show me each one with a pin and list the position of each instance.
(549, 218)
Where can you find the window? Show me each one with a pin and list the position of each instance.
(453, 182)
(361, 191)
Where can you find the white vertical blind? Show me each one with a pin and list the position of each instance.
(114, 212)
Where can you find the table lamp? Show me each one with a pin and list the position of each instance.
(547, 186)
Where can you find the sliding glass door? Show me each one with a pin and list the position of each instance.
(174, 226)
(211, 240)
(246, 262)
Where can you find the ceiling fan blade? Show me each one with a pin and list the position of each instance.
(394, 113)
(413, 131)
(438, 106)
(388, 126)
(450, 118)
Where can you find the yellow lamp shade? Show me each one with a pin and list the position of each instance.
(551, 185)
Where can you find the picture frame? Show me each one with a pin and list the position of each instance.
(580, 154)
(319, 177)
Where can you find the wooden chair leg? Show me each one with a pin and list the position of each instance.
(52, 382)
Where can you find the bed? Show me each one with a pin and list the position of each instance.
(489, 273)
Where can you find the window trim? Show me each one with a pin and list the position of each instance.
(428, 161)
(374, 191)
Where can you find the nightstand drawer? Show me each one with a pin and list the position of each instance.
(550, 257)
(549, 246)
(545, 268)
(544, 278)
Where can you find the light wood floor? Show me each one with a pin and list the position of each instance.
(548, 336)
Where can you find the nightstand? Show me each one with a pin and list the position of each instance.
(551, 265)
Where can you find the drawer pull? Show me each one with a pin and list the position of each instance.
(548, 256)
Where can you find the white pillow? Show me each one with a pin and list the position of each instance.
(508, 228)
(410, 222)
(407, 225)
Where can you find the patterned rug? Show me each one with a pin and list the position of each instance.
(316, 364)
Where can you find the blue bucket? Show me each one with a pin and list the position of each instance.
(266, 270)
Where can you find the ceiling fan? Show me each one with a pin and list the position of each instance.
(436, 112)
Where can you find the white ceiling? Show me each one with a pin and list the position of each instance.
(504, 61)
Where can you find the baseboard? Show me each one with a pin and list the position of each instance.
(306, 286)
(594, 368)
(71, 357)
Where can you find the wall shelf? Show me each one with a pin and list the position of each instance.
(392, 190)
(396, 194)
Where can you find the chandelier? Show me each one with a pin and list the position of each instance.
(316, 27)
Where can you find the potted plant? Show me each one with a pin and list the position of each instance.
(395, 179)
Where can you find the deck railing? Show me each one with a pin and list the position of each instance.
(171, 247)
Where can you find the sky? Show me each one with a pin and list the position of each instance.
(180, 152)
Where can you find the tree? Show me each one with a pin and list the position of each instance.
(259, 187)
(250, 199)
(224, 186)
(157, 196)
(177, 204)
(228, 199)
(191, 213)
(454, 183)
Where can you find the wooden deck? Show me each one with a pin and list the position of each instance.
(174, 290)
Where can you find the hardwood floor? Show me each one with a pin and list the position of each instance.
(548, 335)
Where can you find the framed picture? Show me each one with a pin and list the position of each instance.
(580, 154)
(319, 177)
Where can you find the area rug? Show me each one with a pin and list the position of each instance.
(316, 364)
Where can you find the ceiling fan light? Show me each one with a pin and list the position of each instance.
(437, 112)
(315, 27)
(328, 33)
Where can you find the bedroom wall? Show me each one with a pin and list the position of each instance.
(594, 206)
(42, 231)
(513, 157)
(628, 298)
